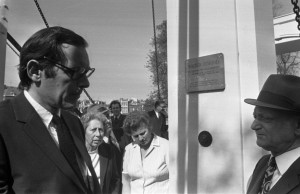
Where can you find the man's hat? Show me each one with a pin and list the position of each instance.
(279, 92)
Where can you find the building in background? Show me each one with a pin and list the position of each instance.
(124, 105)
(128, 105)
(135, 105)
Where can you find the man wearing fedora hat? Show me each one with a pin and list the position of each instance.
(277, 127)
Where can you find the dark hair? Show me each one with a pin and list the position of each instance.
(114, 102)
(158, 102)
(47, 43)
(134, 120)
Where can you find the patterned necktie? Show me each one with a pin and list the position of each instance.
(66, 145)
(268, 176)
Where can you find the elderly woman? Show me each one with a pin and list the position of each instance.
(103, 155)
(146, 159)
(109, 135)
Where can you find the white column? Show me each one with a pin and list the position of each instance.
(243, 32)
(3, 35)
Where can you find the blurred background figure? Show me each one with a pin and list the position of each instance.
(146, 159)
(103, 155)
(117, 120)
(158, 118)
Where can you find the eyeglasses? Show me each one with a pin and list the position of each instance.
(74, 73)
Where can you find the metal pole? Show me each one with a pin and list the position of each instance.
(156, 57)
(3, 36)
(87, 94)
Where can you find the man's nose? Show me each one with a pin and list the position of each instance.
(84, 82)
(255, 125)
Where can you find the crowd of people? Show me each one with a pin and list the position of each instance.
(44, 148)
(127, 155)
(47, 147)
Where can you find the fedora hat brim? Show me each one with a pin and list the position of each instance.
(281, 92)
(267, 105)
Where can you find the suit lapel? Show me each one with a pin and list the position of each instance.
(103, 165)
(257, 182)
(79, 142)
(37, 131)
(258, 175)
(289, 180)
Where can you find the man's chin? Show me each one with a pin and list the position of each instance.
(263, 145)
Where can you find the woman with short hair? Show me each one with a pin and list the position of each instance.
(146, 159)
(103, 155)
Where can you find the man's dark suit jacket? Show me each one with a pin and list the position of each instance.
(122, 138)
(117, 126)
(110, 177)
(158, 124)
(30, 161)
(289, 183)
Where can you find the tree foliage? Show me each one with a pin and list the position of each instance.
(149, 102)
(288, 63)
(160, 65)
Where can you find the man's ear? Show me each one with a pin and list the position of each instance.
(34, 70)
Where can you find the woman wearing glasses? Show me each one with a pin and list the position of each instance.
(103, 155)
(146, 159)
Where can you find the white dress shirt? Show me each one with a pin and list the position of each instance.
(45, 115)
(157, 114)
(284, 161)
(152, 174)
(96, 163)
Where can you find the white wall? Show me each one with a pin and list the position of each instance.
(243, 32)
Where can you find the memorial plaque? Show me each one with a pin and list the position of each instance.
(204, 74)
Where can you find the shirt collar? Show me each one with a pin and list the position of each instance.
(45, 115)
(154, 143)
(157, 113)
(285, 160)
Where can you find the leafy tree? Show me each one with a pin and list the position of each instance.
(149, 103)
(288, 63)
(161, 64)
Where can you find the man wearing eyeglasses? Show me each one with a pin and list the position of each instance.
(42, 146)
(158, 118)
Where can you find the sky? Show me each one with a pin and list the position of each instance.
(119, 33)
